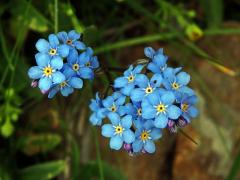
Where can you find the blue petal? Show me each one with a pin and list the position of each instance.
(128, 71)
(149, 52)
(35, 72)
(53, 40)
(138, 69)
(137, 95)
(56, 62)
(156, 133)
(141, 80)
(173, 112)
(183, 78)
(148, 112)
(137, 145)
(114, 118)
(53, 92)
(168, 98)
(153, 68)
(42, 59)
(192, 99)
(76, 82)
(83, 58)
(66, 91)
(63, 50)
(73, 35)
(86, 73)
(156, 80)
(153, 98)
(192, 111)
(63, 36)
(116, 142)
(95, 120)
(127, 121)
(45, 83)
(42, 45)
(72, 56)
(94, 62)
(149, 146)
(68, 71)
(128, 136)
(79, 45)
(120, 82)
(160, 60)
(120, 100)
(107, 130)
(108, 102)
(149, 124)
(161, 121)
(58, 77)
(127, 89)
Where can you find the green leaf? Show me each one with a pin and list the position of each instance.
(38, 143)
(42, 171)
(91, 171)
(75, 157)
(213, 11)
(235, 168)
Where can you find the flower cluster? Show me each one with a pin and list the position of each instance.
(62, 62)
(145, 100)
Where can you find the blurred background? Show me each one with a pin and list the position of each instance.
(53, 139)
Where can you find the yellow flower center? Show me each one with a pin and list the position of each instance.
(47, 71)
(118, 129)
(148, 90)
(144, 136)
(184, 107)
(175, 85)
(161, 108)
(75, 67)
(63, 84)
(130, 78)
(88, 64)
(52, 52)
(69, 41)
(139, 112)
(113, 108)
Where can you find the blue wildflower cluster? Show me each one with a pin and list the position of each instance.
(145, 100)
(62, 62)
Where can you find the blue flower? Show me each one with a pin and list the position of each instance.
(177, 83)
(81, 65)
(119, 130)
(151, 53)
(46, 71)
(158, 60)
(114, 103)
(159, 105)
(66, 87)
(145, 135)
(98, 111)
(127, 82)
(145, 87)
(135, 110)
(71, 39)
(187, 107)
(52, 48)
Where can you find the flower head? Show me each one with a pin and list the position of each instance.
(118, 131)
(71, 39)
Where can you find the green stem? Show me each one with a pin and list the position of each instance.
(98, 155)
(55, 16)
(135, 41)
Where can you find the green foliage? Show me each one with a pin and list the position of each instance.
(38, 143)
(235, 169)
(43, 171)
(213, 12)
(91, 171)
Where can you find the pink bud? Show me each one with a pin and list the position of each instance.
(44, 91)
(171, 123)
(127, 147)
(34, 83)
